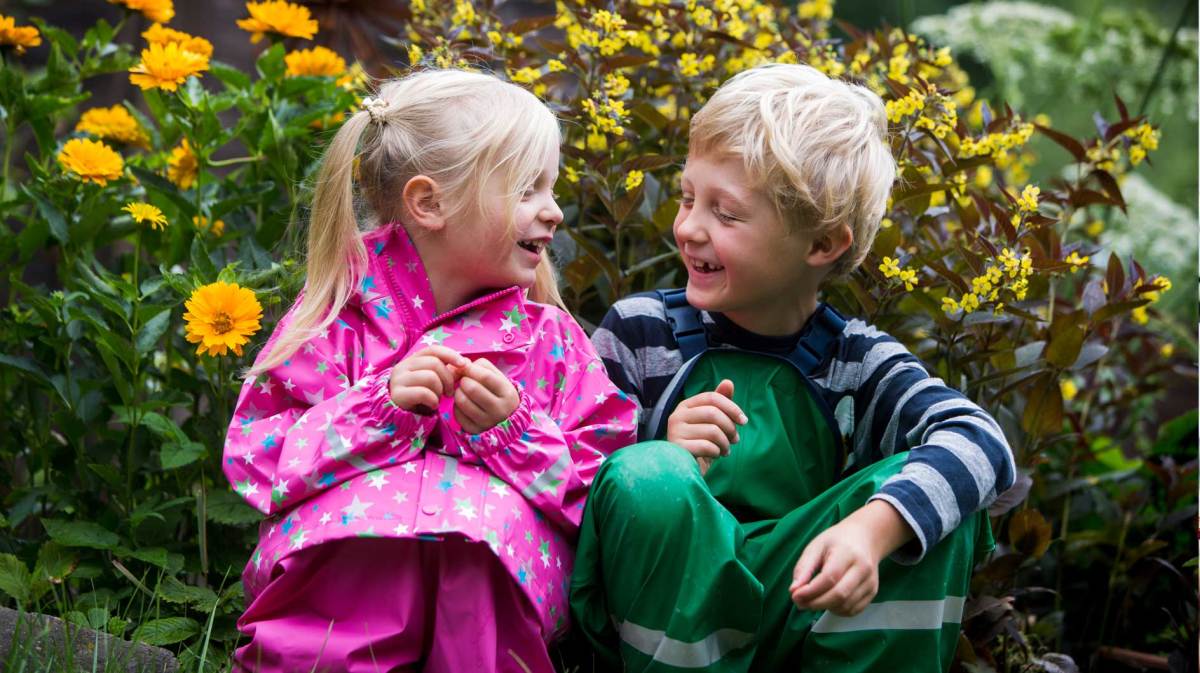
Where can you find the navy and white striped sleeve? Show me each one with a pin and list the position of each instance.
(959, 460)
(638, 350)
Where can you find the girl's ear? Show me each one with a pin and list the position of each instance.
(423, 202)
(829, 246)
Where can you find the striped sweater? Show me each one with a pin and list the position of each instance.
(959, 460)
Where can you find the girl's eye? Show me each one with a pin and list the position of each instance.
(686, 201)
(527, 194)
(725, 217)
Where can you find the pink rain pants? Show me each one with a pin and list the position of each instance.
(443, 606)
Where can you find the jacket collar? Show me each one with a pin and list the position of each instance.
(397, 259)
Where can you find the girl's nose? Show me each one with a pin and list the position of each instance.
(551, 214)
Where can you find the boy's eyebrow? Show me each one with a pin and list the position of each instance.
(737, 200)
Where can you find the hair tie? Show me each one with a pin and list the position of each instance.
(377, 108)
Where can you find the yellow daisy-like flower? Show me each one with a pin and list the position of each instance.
(281, 18)
(633, 180)
(222, 317)
(159, 11)
(166, 66)
(160, 34)
(18, 37)
(144, 213)
(318, 61)
(182, 167)
(113, 123)
(216, 229)
(91, 160)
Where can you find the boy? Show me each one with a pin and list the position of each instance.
(740, 543)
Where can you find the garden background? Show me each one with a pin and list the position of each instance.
(1046, 202)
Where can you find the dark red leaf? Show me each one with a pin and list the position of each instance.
(1065, 141)
(1115, 276)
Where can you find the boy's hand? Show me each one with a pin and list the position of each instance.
(485, 396)
(706, 424)
(845, 560)
(418, 381)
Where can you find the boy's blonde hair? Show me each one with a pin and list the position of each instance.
(817, 145)
(458, 127)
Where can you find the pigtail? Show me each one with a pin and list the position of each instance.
(335, 251)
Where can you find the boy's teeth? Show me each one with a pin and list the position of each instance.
(706, 267)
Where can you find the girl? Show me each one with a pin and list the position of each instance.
(422, 435)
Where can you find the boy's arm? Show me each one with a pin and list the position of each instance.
(638, 350)
(291, 434)
(959, 459)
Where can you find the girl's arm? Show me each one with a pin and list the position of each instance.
(550, 457)
(314, 422)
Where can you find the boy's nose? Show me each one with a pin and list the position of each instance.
(688, 228)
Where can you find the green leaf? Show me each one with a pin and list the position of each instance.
(229, 75)
(52, 215)
(80, 534)
(227, 507)
(33, 237)
(166, 631)
(159, 185)
(1066, 340)
(178, 454)
(152, 331)
(15, 579)
(1043, 407)
(174, 591)
(108, 473)
(55, 562)
(270, 64)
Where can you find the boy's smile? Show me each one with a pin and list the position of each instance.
(741, 259)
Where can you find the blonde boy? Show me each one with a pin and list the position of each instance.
(826, 516)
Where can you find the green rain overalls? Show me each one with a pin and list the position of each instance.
(681, 572)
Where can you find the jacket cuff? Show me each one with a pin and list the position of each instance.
(387, 413)
(914, 550)
(503, 434)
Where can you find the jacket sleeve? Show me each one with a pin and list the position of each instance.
(310, 423)
(551, 456)
(959, 460)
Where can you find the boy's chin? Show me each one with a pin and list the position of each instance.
(704, 299)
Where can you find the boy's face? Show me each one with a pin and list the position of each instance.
(742, 259)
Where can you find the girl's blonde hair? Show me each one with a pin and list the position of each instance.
(458, 127)
(817, 145)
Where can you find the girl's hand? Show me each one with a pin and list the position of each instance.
(484, 398)
(418, 381)
(706, 424)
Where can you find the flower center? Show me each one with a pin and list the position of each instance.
(222, 324)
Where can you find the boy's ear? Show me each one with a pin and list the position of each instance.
(828, 247)
(423, 203)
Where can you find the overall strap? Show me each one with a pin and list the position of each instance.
(826, 326)
(685, 323)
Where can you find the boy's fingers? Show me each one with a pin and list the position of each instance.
(725, 388)
(806, 581)
(841, 595)
(726, 405)
(701, 448)
(707, 415)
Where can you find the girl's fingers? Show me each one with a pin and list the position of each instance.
(448, 356)
(410, 398)
(469, 415)
(483, 398)
(486, 373)
(424, 378)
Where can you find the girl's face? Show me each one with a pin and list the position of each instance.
(491, 257)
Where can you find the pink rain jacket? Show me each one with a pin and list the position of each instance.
(317, 445)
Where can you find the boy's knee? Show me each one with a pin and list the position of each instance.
(650, 480)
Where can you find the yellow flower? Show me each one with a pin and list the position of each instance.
(1068, 388)
(555, 65)
(158, 11)
(18, 37)
(1140, 315)
(572, 174)
(1167, 350)
(1094, 228)
(1028, 201)
(689, 65)
(318, 62)
(113, 123)
(1076, 261)
(949, 305)
(633, 180)
(144, 213)
(909, 278)
(91, 160)
(281, 18)
(525, 75)
(607, 21)
(166, 66)
(201, 223)
(160, 34)
(890, 267)
(886, 223)
(222, 317)
(182, 167)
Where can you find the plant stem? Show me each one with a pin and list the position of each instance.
(235, 160)
(1166, 56)
(135, 411)
(10, 130)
